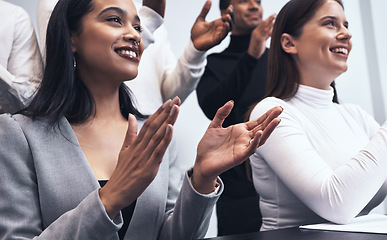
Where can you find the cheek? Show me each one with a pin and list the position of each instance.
(142, 48)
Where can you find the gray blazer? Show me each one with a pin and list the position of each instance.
(49, 191)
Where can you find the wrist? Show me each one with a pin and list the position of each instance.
(255, 52)
(203, 185)
(111, 206)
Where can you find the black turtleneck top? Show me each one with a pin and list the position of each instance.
(232, 75)
(235, 75)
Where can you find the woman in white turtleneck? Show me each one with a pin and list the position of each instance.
(325, 161)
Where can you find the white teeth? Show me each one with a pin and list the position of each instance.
(127, 52)
(340, 50)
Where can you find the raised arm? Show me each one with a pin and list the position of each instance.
(181, 79)
(227, 79)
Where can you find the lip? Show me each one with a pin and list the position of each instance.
(254, 16)
(340, 50)
(130, 52)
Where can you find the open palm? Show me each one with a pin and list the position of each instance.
(223, 148)
(206, 35)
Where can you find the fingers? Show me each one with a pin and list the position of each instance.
(166, 114)
(268, 130)
(270, 19)
(206, 8)
(254, 144)
(161, 147)
(266, 27)
(221, 115)
(265, 119)
(228, 16)
(268, 24)
(268, 122)
(131, 133)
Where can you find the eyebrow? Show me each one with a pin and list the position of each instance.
(119, 11)
(334, 18)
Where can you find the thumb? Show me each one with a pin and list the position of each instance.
(221, 115)
(206, 8)
(131, 133)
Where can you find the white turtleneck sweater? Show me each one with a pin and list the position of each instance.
(324, 162)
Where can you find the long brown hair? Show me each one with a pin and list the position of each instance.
(283, 75)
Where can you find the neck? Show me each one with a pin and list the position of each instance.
(107, 106)
(316, 78)
(106, 98)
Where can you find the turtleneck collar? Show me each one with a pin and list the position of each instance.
(315, 97)
(239, 43)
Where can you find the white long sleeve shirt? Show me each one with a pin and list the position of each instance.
(324, 162)
(161, 76)
(20, 59)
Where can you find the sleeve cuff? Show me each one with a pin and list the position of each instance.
(192, 56)
(6, 76)
(218, 189)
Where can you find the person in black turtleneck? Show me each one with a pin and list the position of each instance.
(238, 73)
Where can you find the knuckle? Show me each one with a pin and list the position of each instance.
(152, 126)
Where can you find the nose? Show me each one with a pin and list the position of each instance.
(344, 34)
(253, 4)
(131, 34)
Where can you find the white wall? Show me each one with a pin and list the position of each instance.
(364, 83)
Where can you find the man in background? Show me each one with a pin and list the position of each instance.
(238, 73)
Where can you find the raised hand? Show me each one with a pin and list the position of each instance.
(206, 35)
(140, 157)
(259, 37)
(223, 148)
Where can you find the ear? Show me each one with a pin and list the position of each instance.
(288, 44)
(73, 38)
(223, 12)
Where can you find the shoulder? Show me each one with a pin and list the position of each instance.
(352, 109)
(32, 128)
(9, 10)
(7, 6)
(360, 116)
(12, 137)
(9, 121)
(266, 104)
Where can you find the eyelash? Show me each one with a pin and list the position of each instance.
(333, 24)
(330, 23)
(114, 19)
(118, 20)
(138, 28)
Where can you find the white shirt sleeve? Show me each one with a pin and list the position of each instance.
(182, 78)
(44, 11)
(336, 193)
(22, 67)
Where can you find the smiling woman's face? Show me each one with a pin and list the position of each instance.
(109, 42)
(325, 43)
